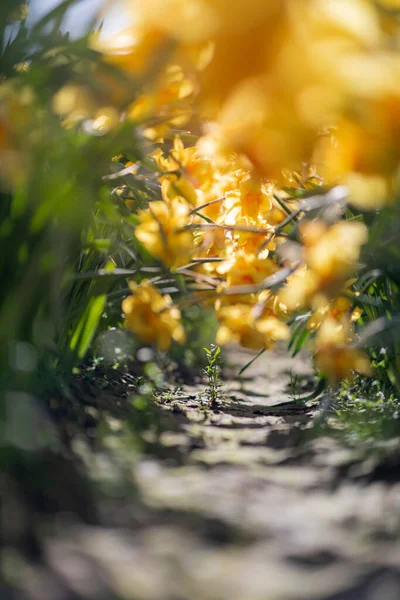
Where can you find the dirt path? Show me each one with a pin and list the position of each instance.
(235, 504)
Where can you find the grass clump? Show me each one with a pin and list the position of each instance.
(364, 412)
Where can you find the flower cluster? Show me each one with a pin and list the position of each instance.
(282, 100)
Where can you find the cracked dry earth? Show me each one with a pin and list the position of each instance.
(241, 504)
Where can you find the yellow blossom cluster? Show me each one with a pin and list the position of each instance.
(218, 212)
(280, 94)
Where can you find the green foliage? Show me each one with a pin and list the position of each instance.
(378, 290)
(363, 413)
(64, 231)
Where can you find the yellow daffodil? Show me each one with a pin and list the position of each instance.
(229, 32)
(254, 199)
(169, 100)
(332, 252)
(337, 309)
(132, 50)
(240, 323)
(300, 289)
(161, 231)
(335, 358)
(362, 152)
(152, 316)
(178, 187)
(246, 269)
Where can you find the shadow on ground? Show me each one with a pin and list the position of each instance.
(241, 502)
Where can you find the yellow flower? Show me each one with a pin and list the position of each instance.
(253, 197)
(240, 323)
(300, 289)
(180, 156)
(246, 206)
(245, 269)
(177, 187)
(362, 152)
(368, 192)
(152, 317)
(188, 174)
(230, 32)
(272, 134)
(133, 51)
(336, 309)
(332, 252)
(161, 232)
(169, 98)
(254, 243)
(334, 356)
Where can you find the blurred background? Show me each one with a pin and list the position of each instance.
(112, 14)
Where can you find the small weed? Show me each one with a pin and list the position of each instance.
(166, 395)
(293, 385)
(297, 387)
(212, 372)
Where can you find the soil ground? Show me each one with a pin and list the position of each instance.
(237, 502)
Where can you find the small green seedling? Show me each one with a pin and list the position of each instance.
(212, 372)
(294, 386)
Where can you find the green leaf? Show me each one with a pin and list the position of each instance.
(247, 365)
(87, 325)
(300, 341)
